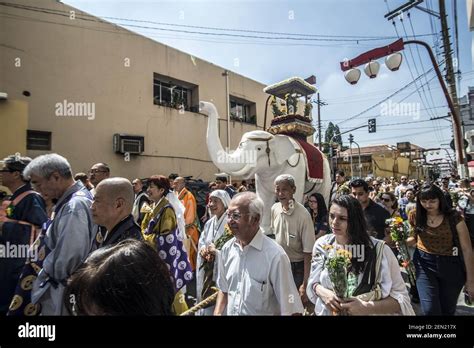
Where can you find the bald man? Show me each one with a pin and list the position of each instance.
(112, 209)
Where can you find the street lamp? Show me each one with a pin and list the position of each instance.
(372, 69)
(393, 61)
(351, 141)
(352, 76)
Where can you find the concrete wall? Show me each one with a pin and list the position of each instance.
(100, 63)
(13, 124)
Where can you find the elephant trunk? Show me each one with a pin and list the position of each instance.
(228, 163)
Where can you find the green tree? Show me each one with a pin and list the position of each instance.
(337, 138)
(330, 132)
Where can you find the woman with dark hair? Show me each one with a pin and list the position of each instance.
(375, 284)
(158, 188)
(319, 213)
(441, 237)
(160, 229)
(390, 203)
(128, 278)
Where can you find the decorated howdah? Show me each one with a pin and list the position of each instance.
(291, 116)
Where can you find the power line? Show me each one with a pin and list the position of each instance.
(419, 57)
(303, 37)
(387, 98)
(348, 100)
(398, 136)
(128, 32)
(435, 125)
(399, 123)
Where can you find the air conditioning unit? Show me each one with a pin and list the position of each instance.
(132, 144)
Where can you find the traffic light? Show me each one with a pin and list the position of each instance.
(351, 138)
(372, 125)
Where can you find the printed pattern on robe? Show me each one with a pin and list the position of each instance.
(21, 303)
(172, 251)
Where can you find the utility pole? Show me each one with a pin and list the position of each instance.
(227, 105)
(450, 76)
(320, 103)
(351, 140)
(319, 122)
(451, 81)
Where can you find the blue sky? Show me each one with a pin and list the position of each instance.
(269, 61)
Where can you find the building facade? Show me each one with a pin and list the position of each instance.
(382, 160)
(81, 80)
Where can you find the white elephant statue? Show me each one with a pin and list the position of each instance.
(266, 156)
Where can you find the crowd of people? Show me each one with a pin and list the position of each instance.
(104, 245)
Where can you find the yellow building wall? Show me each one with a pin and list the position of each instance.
(13, 126)
(387, 166)
(101, 63)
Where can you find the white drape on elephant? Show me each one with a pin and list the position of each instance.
(266, 156)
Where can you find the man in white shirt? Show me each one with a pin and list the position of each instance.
(294, 231)
(254, 274)
(401, 189)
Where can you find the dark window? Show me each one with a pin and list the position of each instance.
(242, 110)
(38, 140)
(174, 93)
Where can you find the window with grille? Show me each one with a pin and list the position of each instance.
(38, 140)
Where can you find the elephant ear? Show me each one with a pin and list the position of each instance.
(283, 148)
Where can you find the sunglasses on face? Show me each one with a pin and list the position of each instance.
(386, 199)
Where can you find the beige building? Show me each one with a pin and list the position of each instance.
(80, 80)
(382, 160)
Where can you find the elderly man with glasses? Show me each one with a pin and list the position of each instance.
(67, 237)
(254, 273)
(98, 172)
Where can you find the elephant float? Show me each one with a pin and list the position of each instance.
(266, 156)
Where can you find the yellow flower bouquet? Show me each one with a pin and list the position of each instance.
(337, 264)
(399, 232)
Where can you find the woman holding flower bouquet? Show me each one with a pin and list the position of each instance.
(214, 232)
(353, 273)
(443, 257)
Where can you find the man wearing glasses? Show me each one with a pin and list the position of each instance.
(21, 217)
(69, 234)
(98, 172)
(254, 273)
